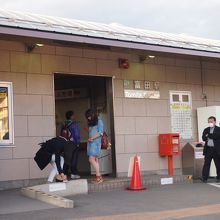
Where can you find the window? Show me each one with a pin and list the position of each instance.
(6, 109)
(185, 98)
(180, 97)
(175, 98)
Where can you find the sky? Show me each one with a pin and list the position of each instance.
(199, 18)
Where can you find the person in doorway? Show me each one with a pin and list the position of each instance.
(56, 151)
(74, 137)
(211, 136)
(95, 130)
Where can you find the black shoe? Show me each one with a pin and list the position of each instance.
(203, 180)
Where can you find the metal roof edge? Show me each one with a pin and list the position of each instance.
(104, 42)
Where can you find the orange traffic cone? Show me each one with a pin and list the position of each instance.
(136, 177)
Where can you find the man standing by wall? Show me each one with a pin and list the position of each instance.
(211, 136)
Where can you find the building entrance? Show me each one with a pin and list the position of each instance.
(79, 93)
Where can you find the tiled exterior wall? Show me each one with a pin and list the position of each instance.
(137, 121)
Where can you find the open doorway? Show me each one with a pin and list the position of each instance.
(78, 93)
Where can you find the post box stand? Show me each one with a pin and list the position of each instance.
(170, 165)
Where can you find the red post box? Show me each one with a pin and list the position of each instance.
(169, 146)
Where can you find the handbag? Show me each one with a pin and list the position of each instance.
(104, 141)
(42, 158)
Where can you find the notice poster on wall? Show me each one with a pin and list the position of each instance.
(181, 114)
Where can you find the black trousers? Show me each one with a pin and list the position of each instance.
(211, 153)
(72, 169)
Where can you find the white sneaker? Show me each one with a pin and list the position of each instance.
(75, 176)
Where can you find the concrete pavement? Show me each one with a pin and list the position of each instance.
(184, 201)
(12, 202)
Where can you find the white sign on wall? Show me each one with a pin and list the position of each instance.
(142, 94)
(140, 89)
(181, 113)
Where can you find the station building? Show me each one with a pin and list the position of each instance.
(143, 83)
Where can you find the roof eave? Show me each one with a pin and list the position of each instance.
(104, 42)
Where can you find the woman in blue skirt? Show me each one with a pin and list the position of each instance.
(95, 125)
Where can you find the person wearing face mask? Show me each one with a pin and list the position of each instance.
(211, 136)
